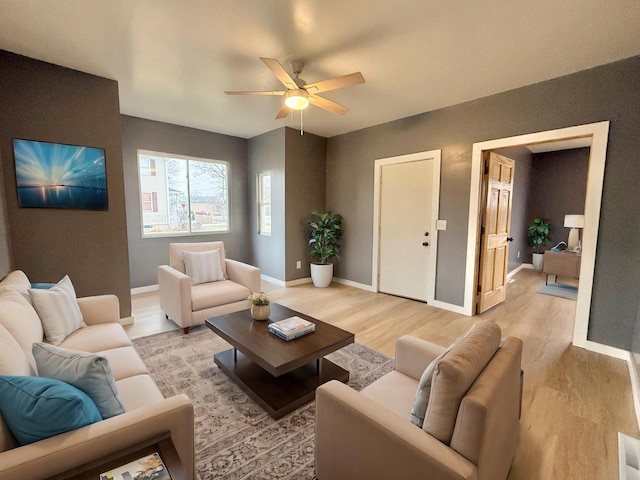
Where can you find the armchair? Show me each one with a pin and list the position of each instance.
(187, 304)
(471, 434)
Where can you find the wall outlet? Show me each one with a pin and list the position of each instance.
(299, 264)
(441, 224)
(518, 254)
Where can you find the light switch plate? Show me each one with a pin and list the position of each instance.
(441, 224)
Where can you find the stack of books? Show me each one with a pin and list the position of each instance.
(291, 328)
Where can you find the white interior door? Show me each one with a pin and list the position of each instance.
(406, 236)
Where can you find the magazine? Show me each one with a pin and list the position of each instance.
(150, 467)
(291, 328)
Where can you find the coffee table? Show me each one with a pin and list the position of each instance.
(279, 375)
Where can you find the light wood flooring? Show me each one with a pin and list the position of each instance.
(574, 401)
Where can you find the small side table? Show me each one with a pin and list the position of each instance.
(561, 264)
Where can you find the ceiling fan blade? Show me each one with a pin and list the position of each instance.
(328, 105)
(249, 92)
(284, 111)
(335, 83)
(279, 71)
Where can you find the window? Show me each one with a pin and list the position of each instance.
(264, 204)
(182, 195)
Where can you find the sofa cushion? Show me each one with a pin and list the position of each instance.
(125, 362)
(13, 360)
(138, 391)
(203, 267)
(395, 391)
(453, 376)
(89, 372)
(21, 320)
(58, 310)
(175, 254)
(96, 338)
(35, 408)
(208, 295)
(18, 281)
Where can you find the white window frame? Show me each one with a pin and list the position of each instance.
(261, 202)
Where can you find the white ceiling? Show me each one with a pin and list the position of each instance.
(174, 59)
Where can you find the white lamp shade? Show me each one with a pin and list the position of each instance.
(574, 221)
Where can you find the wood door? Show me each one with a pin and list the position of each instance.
(405, 224)
(496, 224)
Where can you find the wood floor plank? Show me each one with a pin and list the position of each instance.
(574, 401)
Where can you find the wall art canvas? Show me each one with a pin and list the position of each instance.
(53, 175)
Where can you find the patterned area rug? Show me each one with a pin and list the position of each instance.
(235, 438)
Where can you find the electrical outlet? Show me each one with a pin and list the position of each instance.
(441, 224)
(299, 264)
(518, 254)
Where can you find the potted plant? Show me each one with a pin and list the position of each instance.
(539, 237)
(260, 305)
(324, 234)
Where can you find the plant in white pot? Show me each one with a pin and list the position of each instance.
(539, 237)
(324, 234)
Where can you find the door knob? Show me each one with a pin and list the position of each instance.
(509, 239)
(425, 244)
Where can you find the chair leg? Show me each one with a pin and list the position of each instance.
(185, 330)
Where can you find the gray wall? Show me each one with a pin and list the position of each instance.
(519, 206)
(305, 189)
(267, 155)
(5, 246)
(558, 188)
(40, 101)
(147, 253)
(608, 92)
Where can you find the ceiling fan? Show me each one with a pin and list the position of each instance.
(299, 93)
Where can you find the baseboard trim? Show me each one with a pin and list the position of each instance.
(361, 286)
(448, 306)
(635, 388)
(146, 289)
(130, 320)
(518, 268)
(299, 281)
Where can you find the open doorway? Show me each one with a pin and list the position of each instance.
(597, 133)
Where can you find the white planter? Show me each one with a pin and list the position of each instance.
(538, 261)
(321, 275)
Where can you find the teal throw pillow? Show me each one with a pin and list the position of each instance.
(89, 372)
(35, 408)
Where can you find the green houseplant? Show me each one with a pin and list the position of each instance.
(539, 237)
(325, 233)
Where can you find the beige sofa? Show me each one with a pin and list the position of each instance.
(148, 414)
(189, 305)
(471, 426)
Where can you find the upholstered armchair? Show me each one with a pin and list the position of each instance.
(217, 285)
(471, 423)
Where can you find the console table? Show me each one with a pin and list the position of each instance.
(561, 264)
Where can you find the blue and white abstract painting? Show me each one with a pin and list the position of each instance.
(52, 175)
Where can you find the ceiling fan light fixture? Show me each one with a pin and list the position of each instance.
(296, 99)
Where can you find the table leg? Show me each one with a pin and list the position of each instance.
(319, 366)
(235, 355)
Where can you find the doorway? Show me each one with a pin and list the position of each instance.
(598, 134)
(406, 205)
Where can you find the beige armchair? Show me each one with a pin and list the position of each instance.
(471, 426)
(187, 304)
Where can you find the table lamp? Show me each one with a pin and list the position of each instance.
(574, 222)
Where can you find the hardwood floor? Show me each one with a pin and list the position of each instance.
(574, 401)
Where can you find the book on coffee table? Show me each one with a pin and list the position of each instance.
(147, 467)
(292, 327)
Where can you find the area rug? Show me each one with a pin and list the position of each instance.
(559, 290)
(235, 438)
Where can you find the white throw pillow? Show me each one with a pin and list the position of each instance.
(89, 372)
(203, 267)
(58, 310)
(21, 320)
(13, 360)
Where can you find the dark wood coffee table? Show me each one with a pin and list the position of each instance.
(279, 375)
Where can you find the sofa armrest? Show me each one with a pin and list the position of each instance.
(244, 274)
(414, 354)
(175, 295)
(69, 450)
(100, 309)
(357, 437)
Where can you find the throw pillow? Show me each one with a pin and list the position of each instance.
(58, 310)
(89, 372)
(419, 408)
(13, 360)
(203, 267)
(18, 281)
(36, 408)
(20, 319)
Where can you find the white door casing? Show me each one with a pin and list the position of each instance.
(406, 205)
